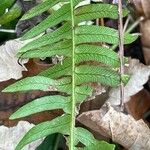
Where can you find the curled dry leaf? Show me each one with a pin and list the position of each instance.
(138, 105)
(145, 38)
(9, 137)
(139, 76)
(142, 7)
(145, 33)
(121, 128)
(9, 66)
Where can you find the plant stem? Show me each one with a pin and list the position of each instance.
(73, 79)
(121, 51)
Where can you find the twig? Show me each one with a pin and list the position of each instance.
(126, 23)
(135, 24)
(121, 52)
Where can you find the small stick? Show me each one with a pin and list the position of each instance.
(126, 23)
(7, 30)
(135, 24)
(121, 52)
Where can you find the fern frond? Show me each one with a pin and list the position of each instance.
(78, 45)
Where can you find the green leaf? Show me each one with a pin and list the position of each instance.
(84, 89)
(100, 146)
(82, 92)
(40, 8)
(55, 18)
(52, 142)
(86, 34)
(65, 85)
(73, 76)
(86, 74)
(43, 104)
(4, 4)
(58, 125)
(94, 11)
(12, 14)
(86, 138)
(32, 83)
(80, 98)
(49, 38)
(101, 54)
(58, 70)
(60, 48)
(125, 78)
(40, 83)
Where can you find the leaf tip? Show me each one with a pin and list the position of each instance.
(5, 90)
(12, 117)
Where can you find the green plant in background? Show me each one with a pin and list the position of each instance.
(52, 142)
(71, 77)
(10, 11)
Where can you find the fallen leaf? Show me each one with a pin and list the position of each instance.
(142, 7)
(11, 136)
(121, 128)
(9, 66)
(138, 105)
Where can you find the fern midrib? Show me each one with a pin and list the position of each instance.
(71, 146)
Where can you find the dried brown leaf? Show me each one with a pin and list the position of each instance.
(142, 7)
(121, 128)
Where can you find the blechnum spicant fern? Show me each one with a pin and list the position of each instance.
(78, 45)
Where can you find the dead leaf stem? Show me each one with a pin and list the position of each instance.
(121, 51)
